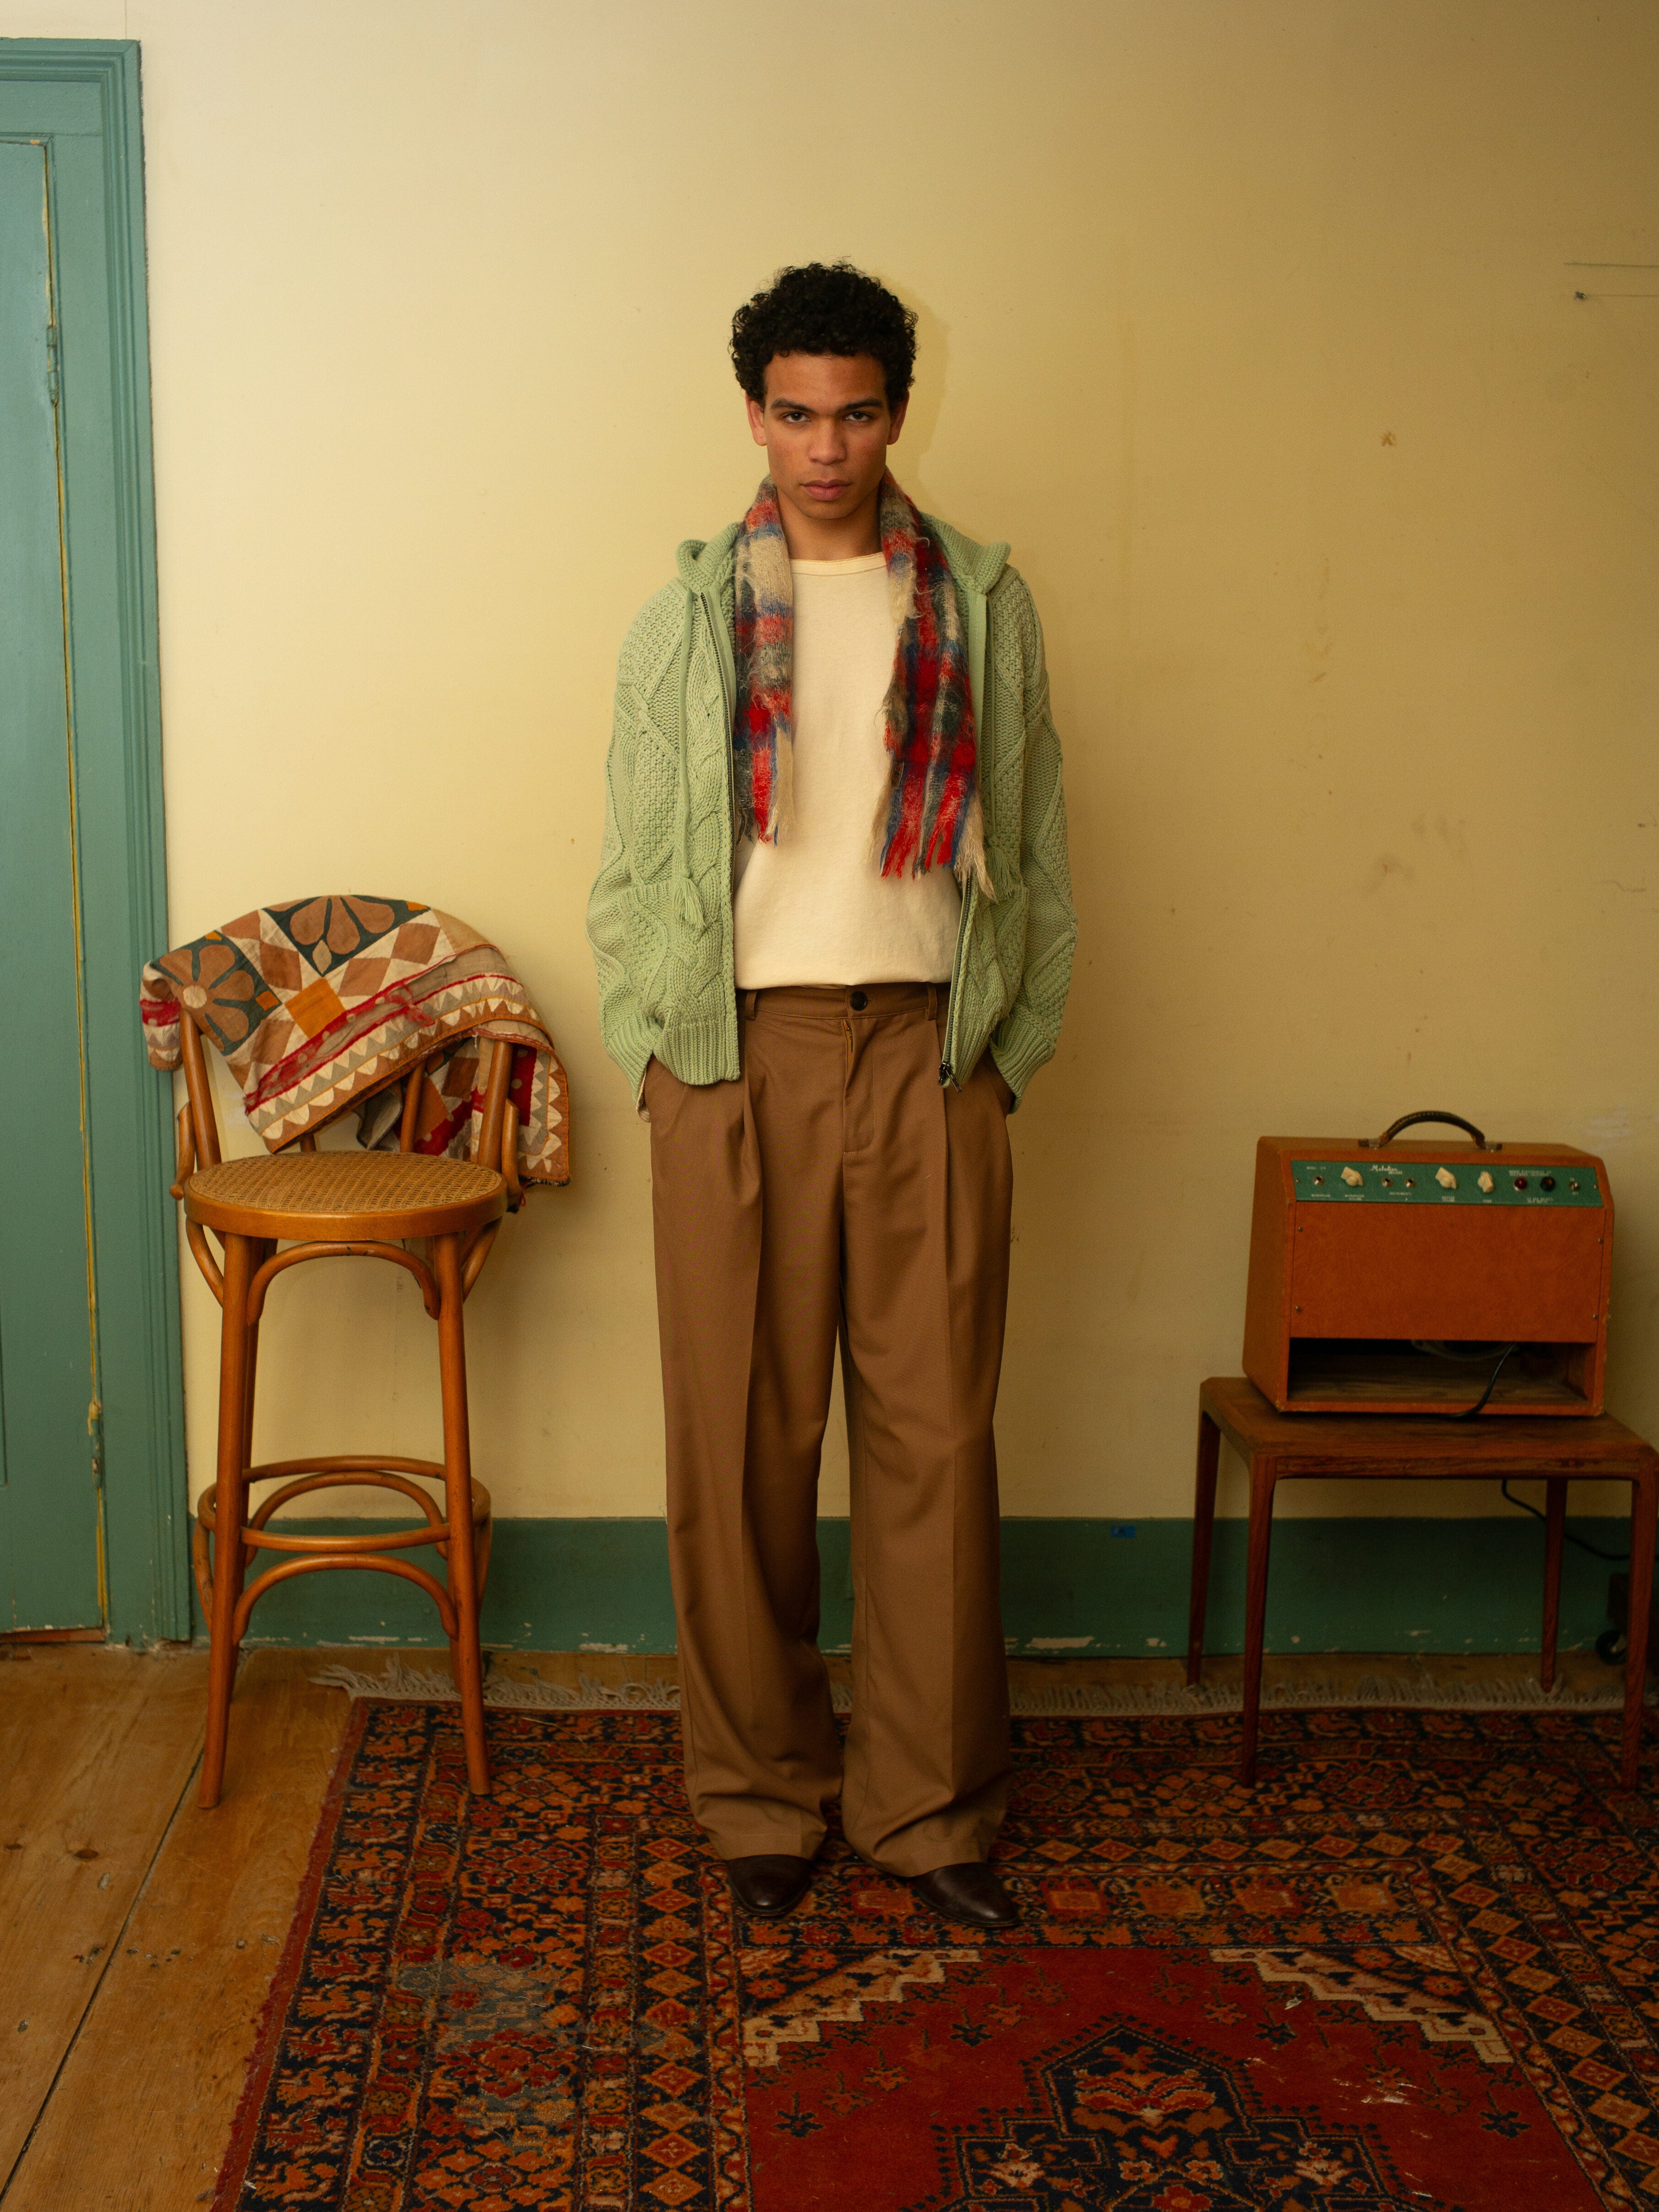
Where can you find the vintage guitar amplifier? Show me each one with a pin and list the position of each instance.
(1405, 1279)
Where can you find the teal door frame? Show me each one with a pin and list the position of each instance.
(79, 99)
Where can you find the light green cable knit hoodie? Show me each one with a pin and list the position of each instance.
(660, 918)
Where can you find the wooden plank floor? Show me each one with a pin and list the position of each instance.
(138, 1935)
(95, 1747)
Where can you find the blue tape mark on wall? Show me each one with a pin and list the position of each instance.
(1100, 1587)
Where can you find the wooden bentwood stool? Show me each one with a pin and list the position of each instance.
(330, 1206)
(1275, 1446)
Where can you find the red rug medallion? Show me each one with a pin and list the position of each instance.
(1415, 1970)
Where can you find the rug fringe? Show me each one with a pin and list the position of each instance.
(428, 1685)
(434, 1685)
(1404, 1692)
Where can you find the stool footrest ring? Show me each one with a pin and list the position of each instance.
(336, 1551)
(434, 1588)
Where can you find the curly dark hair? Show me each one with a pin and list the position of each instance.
(823, 308)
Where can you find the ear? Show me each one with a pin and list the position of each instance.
(896, 420)
(757, 420)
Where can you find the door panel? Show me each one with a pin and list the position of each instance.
(49, 1504)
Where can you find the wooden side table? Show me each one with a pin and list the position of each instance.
(1275, 1446)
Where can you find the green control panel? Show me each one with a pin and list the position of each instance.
(1445, 1182)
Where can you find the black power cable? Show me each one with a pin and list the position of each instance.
(1616, 1559)
(1440, 1352)
(1468, 1413)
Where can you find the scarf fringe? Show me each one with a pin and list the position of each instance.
(970, 852)
(783, 788)
(968, 866)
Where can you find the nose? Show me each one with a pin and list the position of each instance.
(829, 442)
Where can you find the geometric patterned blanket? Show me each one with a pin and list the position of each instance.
(327, 1003)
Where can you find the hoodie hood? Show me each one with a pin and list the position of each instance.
(702, 562)
(979, 567)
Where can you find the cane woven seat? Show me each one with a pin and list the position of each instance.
(342, 1196)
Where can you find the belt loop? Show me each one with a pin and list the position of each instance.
(932, 1002)
(750, 999)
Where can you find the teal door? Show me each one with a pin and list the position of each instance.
(49, 1505)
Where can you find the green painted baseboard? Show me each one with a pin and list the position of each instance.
(1100, 1588)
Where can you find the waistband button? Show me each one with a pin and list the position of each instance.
(859, 1001)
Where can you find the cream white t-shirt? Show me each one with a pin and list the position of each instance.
(815, 908)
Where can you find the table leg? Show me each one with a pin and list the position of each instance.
(1209, 1456)
(1264, 1473)
(1643, 1512)
(1555, 1524)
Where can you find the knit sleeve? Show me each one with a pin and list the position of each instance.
(629, 1036)
(1030, 1031)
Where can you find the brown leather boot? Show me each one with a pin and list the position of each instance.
(970, 1893)
(769, 1884)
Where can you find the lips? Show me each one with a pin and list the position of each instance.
(824, 489)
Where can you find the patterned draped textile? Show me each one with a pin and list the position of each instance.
(330, 1003)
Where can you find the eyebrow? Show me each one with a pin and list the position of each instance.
(799, 406)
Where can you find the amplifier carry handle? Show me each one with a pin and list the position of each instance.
(1377, 1144)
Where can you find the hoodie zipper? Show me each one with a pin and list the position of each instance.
(728, 675)
(976, 620)
(946, 1066)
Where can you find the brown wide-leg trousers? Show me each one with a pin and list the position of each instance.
(837, 1187)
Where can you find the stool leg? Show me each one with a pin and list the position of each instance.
(1209, 1456)
(1643, 1511)
(257, 1252)
(458, 1487)
(1264, 1473)
(1555, 1525)
(260, 1252)
(228, 1503)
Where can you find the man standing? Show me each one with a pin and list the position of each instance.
(833, 927)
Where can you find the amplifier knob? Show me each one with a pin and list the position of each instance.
(1351, 1175)
(1445, 1178)
(1484, 1180)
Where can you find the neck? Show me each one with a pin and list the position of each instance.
(816, 537)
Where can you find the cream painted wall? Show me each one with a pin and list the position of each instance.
(1252, 328)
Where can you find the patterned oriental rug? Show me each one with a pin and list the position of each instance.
(1416, 1970)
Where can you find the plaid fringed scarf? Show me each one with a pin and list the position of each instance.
(929, 813)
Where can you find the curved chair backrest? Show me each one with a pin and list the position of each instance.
(497, 1146)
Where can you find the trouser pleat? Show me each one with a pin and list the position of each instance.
(836, 1188)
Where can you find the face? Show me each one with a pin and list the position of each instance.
(826, 427)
